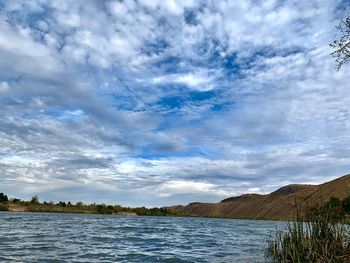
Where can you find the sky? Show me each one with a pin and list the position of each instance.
(155, 103)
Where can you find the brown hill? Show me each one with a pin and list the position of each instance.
(280, 204)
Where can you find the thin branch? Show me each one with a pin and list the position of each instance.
(341, 47)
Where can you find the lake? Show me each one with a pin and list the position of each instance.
(44, 237)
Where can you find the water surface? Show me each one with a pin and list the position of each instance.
(45, 237)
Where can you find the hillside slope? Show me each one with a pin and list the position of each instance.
(280, 204)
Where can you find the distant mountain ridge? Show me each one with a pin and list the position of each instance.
(278, 205)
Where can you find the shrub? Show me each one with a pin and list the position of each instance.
(103, 209)
(346, 205)
(15, 200)
(61, 203)
(333, 203)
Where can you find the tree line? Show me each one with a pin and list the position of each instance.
(34, 205)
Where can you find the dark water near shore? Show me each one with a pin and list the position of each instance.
(42, 237)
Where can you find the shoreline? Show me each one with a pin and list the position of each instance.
(130, 214)
(80, 208)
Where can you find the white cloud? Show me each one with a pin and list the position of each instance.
(189, 187)
(26, 55)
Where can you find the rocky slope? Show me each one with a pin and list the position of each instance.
(277, 205)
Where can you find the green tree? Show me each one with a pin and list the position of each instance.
(80, 203)
(3, 197)
(35, 199)
(62, 203)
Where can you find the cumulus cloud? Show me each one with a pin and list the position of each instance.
(164, 102)
(189, 187)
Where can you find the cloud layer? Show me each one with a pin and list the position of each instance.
(166, 102)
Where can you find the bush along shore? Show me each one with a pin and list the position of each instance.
(320, 235)
(34, 205)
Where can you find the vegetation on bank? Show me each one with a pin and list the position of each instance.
(34, 205)
(321, 235)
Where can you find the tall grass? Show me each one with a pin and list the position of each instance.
(321, 236)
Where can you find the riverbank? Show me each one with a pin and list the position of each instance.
(15, 205)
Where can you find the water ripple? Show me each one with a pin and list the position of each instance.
(41, 237)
